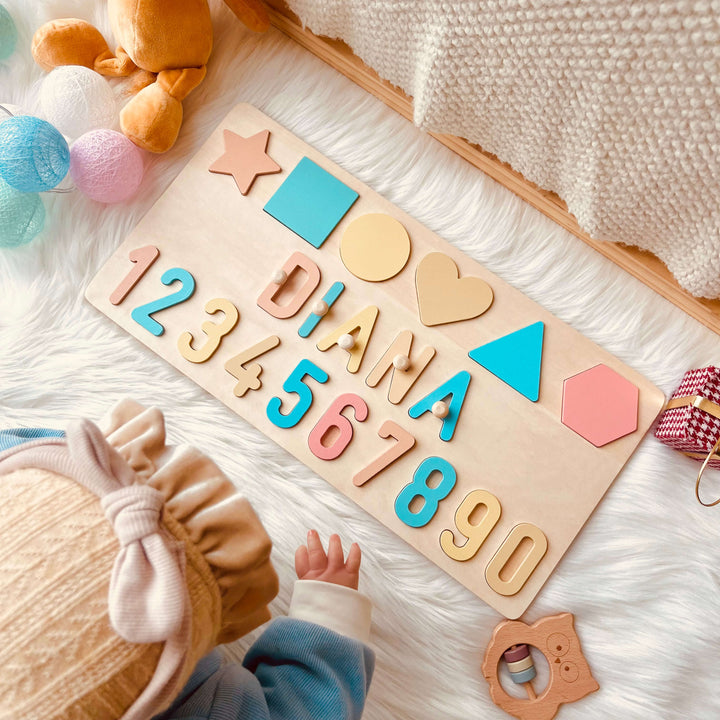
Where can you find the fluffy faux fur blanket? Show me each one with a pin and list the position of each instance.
(641, 578)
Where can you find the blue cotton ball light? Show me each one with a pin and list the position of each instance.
(22, 216)
(34, 156)
(8, 34)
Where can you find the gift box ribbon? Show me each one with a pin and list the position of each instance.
(711, 408)
(701, 403)
(708, 406)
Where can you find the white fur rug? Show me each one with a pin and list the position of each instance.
(642, 578)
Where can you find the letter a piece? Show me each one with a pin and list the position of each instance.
(400, 380)
(456, 389)
(363, 323)
(515, 359)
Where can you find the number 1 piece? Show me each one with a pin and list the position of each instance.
(143, 258)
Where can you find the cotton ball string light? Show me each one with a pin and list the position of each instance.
(76, 99)
(22, 216)
(8, 110)
(34, 156)
(106, 166)
(8, 34)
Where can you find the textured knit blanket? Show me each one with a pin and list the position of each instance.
(642, 577)
(614, 105)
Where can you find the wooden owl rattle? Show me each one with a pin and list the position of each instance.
(555, 637)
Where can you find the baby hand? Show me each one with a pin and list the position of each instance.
(311, 562)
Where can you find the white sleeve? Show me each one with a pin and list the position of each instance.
(336, 607)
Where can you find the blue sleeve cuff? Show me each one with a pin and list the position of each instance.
(18, 436)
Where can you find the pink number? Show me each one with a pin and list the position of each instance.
(405, 441)
(143, 258)
(334, 419)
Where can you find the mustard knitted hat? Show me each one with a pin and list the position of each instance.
(122, 562)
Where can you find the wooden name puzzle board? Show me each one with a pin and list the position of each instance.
(462, 415)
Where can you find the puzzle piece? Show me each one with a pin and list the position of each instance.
(375, 247)
(359, 329)
(248, 377)
(455, 388)
(515, 359)
(311, 202)
(509, 582)
(245, 159)
(328, 299)
(403, 371)
(267, 300)
(443, 296)
(600, 405)
(142, 258)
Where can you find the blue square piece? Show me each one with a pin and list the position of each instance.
(311, 202)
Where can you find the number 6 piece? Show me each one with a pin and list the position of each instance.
(416, 382)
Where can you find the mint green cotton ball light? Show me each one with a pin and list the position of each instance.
(22, 216)
(8, 34)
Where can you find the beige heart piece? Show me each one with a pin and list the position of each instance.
(445, 297)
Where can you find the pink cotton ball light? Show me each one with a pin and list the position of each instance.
(106, 166)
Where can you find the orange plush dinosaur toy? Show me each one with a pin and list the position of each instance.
(165, 44)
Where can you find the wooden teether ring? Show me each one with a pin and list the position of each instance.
(511, 643)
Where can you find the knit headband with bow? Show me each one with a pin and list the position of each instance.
(148, 599)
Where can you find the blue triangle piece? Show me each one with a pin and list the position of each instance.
(515, 359)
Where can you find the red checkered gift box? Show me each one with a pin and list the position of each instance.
(691, 421)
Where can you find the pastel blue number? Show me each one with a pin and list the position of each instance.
(430, 495)
(295, 384)
(141, 315)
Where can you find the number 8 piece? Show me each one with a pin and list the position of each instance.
(505, 425)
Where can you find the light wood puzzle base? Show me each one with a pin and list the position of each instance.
(518, 451)
(641, 264)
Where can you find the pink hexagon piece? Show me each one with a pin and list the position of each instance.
(600, 405)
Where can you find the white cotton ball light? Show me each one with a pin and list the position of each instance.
(106, 166)
(76, 99)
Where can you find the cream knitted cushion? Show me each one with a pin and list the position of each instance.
(614, 105)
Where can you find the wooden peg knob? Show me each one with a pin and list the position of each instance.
(320, 308)
(440, 409)
(401, 362)
(346, 342)
(279, 277)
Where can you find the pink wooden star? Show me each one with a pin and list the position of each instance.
(245, 159)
